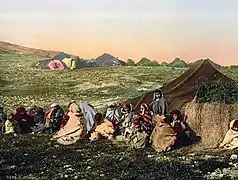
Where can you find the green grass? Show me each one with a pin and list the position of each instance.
(25, 84)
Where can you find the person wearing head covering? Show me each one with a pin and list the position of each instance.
(133, 126)
(231, 138)
(127, 118)
(89, 113)
(163, 137)
(103, 129)
(3, 118)
(177, 121)
(37, 113)
(185, 134)
(137, 138)
(24, 121)
(54, 117)
(146, 118)
(159, 103)
(38, 118)
(31, 110)
(9, 125)
(113, 115)
(75, 128)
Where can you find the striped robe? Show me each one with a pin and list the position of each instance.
(146, 122)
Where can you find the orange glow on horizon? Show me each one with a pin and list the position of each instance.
(134, 50)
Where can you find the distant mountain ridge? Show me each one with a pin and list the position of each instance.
(109, 60)
(143, 60)
(105, 59)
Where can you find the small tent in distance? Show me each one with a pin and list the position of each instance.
(58, 62)
(65, 61)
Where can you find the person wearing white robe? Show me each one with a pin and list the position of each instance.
(231, 139)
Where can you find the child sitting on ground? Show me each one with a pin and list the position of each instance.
(131, 127)
(138, 138)
(9, 125)
(177, 121)
(185, 135)
(127, 118)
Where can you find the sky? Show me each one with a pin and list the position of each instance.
(157, 29)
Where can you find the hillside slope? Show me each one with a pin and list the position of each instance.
(6, 47)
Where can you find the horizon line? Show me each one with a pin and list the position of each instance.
(122, 59)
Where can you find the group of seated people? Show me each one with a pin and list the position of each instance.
(22, 121)
(35, 119)
(152, 125)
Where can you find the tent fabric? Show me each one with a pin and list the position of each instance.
(73, 65)
(184, 88)
(61, 56)
(56, 65)
(44, 63)
(70, 63)
(85, 63)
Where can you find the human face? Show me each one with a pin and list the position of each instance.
(142, 110)
(175, 116)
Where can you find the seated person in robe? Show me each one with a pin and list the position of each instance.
(9, 125)
(163, 137)
(75, 128)
(103, 129)
(231, 138)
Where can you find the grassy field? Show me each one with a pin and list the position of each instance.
(22, 84)
(36, 157)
